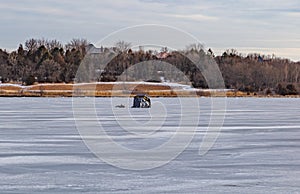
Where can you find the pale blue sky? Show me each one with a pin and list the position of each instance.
(267, 26)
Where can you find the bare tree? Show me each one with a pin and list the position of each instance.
(122, 46)
(77, 43)
(52, 44)
(31, 44)
(196, 47)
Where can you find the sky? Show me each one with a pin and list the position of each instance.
(249, 26)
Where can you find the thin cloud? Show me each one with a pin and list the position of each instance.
(290, 53)
(294, 14)
(44, 10)
(193, 17)
(255, 23)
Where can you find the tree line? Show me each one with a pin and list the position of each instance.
(49, 61)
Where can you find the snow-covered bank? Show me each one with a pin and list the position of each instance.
(105, 89)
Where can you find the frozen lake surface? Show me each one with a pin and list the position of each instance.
(258, 150)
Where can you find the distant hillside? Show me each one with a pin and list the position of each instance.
(47, 61)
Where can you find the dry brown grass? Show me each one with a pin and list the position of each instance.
(52, 87)
(110, 89)
(99, 87)
(236, 94)
(12, 88)
(88, 89)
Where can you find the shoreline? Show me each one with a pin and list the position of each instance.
(128, 89)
